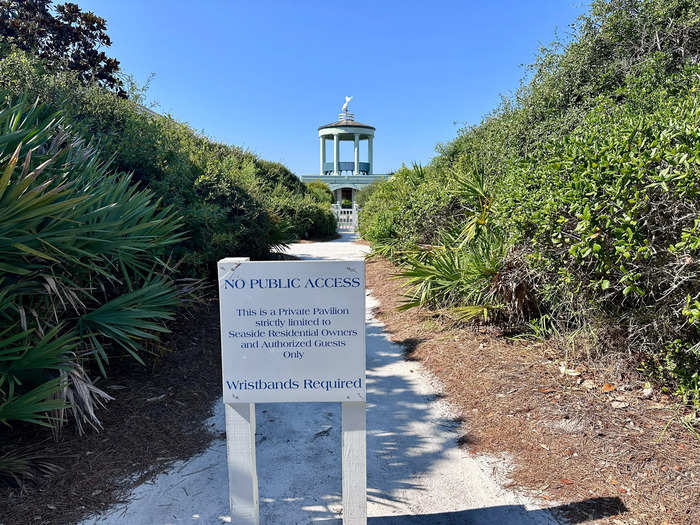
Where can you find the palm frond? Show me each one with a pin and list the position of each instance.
(35, 406)
(24, 464)
(85, 269)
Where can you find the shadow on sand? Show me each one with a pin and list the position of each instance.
(399, 452)
(579, 512)
(300, 445)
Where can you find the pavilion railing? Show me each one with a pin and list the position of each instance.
(346, 167)
(347, 217)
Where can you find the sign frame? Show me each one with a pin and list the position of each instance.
(240, 439)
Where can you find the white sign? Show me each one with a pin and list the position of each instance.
(292, 331)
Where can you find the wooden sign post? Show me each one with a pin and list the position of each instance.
(292, 331)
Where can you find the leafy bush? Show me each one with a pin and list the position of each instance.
(220, 190)
(591, 174)
(366, 192)
(306, 218)
(84, 273)
(473, 269)
(412, 207)
(611, 215)
(320, 191)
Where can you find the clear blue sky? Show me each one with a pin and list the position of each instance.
(264, 75)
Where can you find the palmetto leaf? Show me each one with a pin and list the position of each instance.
(472, 312)
(22, 464)
(129, 319)
(454, 273)
(19, 354)
(472, 186)
(34, 406)
(81, 268)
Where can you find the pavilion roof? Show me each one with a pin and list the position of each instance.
(346, 123)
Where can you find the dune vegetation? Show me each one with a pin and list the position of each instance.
(572, 212)
(112, 218)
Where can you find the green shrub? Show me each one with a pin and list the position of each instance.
(455, 272)
(320, 191)
(84, 273)
(611, 215)
(591, 173)
(366, 192)
(220, 190)
(473, 269)
(305, 218)
(412, 207)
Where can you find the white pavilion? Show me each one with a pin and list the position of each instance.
(346, 178)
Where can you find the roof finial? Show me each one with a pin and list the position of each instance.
(347, 101)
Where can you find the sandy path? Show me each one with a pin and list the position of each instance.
(416, 472)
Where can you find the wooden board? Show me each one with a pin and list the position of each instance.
(354, 463)
(242, 472)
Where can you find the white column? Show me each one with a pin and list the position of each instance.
(370, 154)
(336, 155)
(323, 153)
(357, 154)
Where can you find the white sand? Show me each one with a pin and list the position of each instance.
(416, 472)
